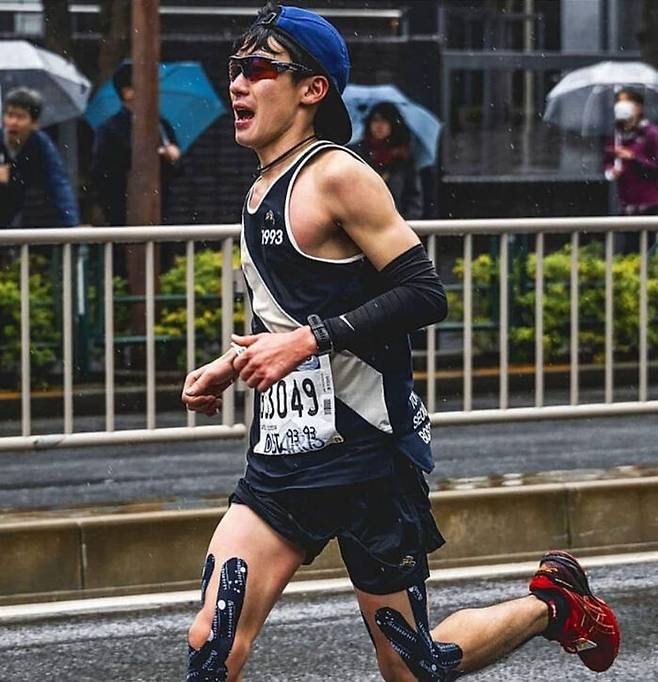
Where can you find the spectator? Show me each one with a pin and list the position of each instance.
(631, 157)
(386, 147)
(29, 158)
(112, 155)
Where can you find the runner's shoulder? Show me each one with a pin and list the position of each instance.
(338, 172)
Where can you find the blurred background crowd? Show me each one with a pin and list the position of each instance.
(451, 100)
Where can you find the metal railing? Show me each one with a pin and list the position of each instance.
(467, 230)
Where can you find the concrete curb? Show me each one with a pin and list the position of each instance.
(26, 613)
(134, 553)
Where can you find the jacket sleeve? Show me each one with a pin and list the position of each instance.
(58, 184)
(647, 158)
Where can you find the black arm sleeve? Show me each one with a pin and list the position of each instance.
(416, 299)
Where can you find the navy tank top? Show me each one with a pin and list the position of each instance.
(336, 419)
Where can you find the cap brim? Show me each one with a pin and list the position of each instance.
(332, 121)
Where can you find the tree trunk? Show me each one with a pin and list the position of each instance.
(648, 34)
(115, 36)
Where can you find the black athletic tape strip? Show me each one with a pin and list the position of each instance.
(414, 299)
(208, 570)
(428, 661)
(208, 663)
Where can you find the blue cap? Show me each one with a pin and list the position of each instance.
(316, 36)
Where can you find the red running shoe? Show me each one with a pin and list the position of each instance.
(590, 628)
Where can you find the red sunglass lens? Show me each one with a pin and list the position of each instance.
(253, 68)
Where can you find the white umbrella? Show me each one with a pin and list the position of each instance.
(64, 89)
(422, 123)
(582, 101)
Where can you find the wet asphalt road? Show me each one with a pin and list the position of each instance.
(320, 638)
(192, 474)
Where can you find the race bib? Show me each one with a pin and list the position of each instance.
(298, 413)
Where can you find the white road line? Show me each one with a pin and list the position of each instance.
(140, 602)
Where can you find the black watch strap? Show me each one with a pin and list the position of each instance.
(321, 334)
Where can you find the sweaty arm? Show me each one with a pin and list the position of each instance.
(415, 297)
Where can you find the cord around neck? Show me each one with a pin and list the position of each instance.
(263, 169)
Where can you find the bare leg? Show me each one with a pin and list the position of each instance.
(391, 666)
(486, 635)
(271, 562)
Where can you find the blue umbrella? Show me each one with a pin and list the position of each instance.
(187, 101)
(422, 123)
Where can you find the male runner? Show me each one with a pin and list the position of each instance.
(339, 441)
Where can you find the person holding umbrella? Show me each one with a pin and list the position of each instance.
(386, 146)
(112, 154)
(631, 156)
(28, 158)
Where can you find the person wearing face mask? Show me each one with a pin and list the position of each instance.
(631, 157)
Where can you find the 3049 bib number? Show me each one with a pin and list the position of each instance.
(279, 400)
(297, 414)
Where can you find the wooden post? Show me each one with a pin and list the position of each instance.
(144, 179)
(144, 186)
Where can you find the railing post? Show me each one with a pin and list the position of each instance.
(609, 317)
(504, 321)
(468, 322)
(574, 326)
(67, 335)
(26, 382)
(228, 404)
(109, 335)
(643, 320)
(190, 317)
(150, 334)
(539, 320)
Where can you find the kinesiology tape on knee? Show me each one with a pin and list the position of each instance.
(207, 664)
(427, 660)
(415, 298)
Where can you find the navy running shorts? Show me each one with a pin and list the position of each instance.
(384, 527)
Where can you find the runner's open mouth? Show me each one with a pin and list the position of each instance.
(243, 113)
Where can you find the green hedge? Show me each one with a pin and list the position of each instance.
(557, 273)
(44, 329)
(208, 305)
(45, 312)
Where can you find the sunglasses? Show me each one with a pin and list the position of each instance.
(255, 68)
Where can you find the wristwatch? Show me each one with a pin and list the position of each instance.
(321, 334)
